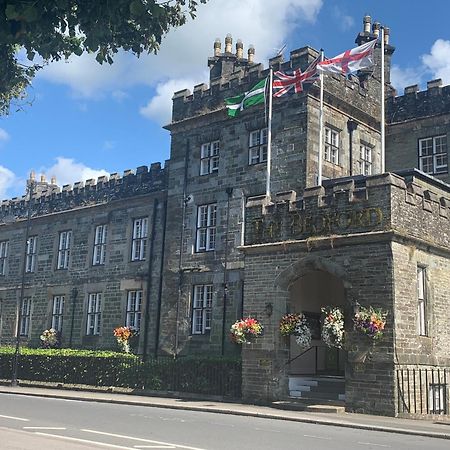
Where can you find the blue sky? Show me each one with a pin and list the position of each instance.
(87, 120)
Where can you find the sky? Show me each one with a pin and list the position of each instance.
(86, 120)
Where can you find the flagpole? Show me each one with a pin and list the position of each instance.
(269, 136)
(319, 163)
(383, 120)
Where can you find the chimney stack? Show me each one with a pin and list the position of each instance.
(387, 32)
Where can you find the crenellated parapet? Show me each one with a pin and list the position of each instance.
(231, 74)
(50, 198)
(412, 205)
(415, 104)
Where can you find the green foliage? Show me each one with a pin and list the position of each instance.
(209, 376)
(55, 29)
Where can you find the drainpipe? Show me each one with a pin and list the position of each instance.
(351, 127)
(74, 295)
(161, 268)
(229, 192)
(180, 261)
(149, 281)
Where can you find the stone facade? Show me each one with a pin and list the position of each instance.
(217, 248)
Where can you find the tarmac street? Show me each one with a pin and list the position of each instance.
(34, 422)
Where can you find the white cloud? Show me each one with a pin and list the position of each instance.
(159, 107)
(344, 21)
(400, 78)
(4, 136)
(68, 171)
(184, 51)
(7, 180)
(438, 60)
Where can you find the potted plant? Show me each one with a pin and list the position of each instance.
(50, 338)
(245, 331)
(123, 336)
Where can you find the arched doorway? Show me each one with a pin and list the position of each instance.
(314, 282)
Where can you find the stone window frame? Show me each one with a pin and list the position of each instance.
(331, 146)
(422, 301)
(57, 312)
(429, 156)
(201, 311)
(206, 224)
(94, 306)
(64, 246)
(365, 158)
(139, 237)
(4, 247)
(31, 254)
(209, 157)
(133, 308)
(257, 146)
(25, 317)
(99, 245)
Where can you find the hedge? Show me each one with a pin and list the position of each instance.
(211, 375)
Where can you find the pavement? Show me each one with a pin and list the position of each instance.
(429, 428)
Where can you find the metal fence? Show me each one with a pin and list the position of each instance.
(208, 376)
(422, 391)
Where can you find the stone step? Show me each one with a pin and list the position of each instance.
(316, 395)
(311, 406)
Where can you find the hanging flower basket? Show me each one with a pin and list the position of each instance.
(123, 336)
(295, 324)
(245, 331)
(50, 338)
(333, 326)
(288, 323)
(370, 321)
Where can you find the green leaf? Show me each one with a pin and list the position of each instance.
(31, 14)
(11, 12)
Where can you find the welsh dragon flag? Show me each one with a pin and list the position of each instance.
(254, 96)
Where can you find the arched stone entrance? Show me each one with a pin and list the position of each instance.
(312, 283)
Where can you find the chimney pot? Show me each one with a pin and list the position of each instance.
(53, 180)
(217, 47)
(228, 43)
(387, 32)
(376, 29)
(239, 49)
(367, 22)
(251, 53)
(42, 178)
(32, 175)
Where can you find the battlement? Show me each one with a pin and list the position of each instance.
(414, 104)
(50, 198)
(413, 202)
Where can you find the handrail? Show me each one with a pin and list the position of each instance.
(301, 354)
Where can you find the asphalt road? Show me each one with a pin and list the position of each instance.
(33, 423)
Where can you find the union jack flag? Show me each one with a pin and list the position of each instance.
(293, 81)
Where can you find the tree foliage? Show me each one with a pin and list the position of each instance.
(48, 30)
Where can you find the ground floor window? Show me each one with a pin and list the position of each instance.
(202, 308)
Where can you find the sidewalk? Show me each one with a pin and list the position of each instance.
(361, 421)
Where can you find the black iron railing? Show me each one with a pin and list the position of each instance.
(326, 360)
(422, 390)
(209, 376)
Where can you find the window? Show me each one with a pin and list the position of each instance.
(331, 146)
(64, 249)
(422, 328)
(25, 316)
(3, 256)
(98, 256)
(30, 260)
(257, 144)
(134, 306)
(201, 308)
(365, 162)
(94, 315)
(139, 243)
(437, 400)
(57, 312)
(206, 228)
(209, 158)
(433, 157)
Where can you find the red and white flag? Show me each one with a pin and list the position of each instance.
(294, 81)
(350, 61)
